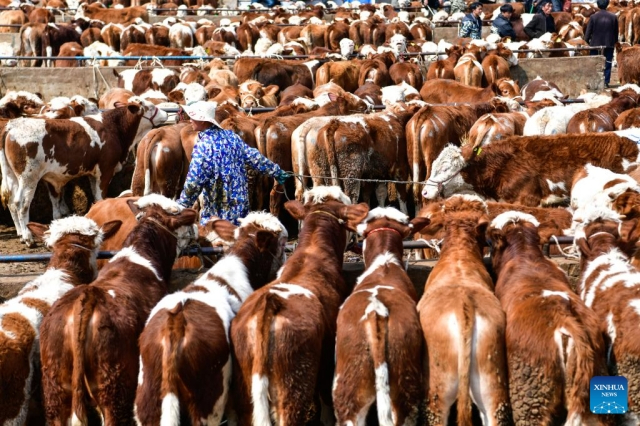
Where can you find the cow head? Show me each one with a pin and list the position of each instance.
(506, 87)
(512, 225)
(151, 116)
(254, 94)
(28, 103)
(448, 165)
(346, 47)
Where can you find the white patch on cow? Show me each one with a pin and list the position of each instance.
(140, 372)
(170, 410)
(72, 225)
(59, 102)
(375, 304)
(264, 220)
(260, 399)
(131, 255)
(383, 212)
(91, 132)
(285, 290)
(635, 304)
(168, 205)
(321, 194)
(311, 65)
(154, 94)
(127, 78)
(512, 217)
(380, 261)
(75, 421)
(25, 130)
(112, 293)
(556, 185)
(218, 407)
(611, 331)
(562, 350)
(386, 415)
(551, 293)
(158, 75)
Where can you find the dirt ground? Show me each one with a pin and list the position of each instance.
(14, 275)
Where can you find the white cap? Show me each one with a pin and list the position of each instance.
(202, 111)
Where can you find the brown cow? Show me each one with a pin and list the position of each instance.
(126, 16)
(443, 68)
(69, 49)
(253, 94)
(108, 317)
(292, 321)
(158, 35)
(20, 102)
(609, 286)
(431, 128)
(552, 377)
(468, 69)
(201, 315)
(602, 118)
(161, 164)
(139, 81)
(132, 34)
(380, 315)
(447, 91)
(519, 170)
(111, 35)
(345, 74)
(114, 96)
(408, 72)
(279, 72)
(628, 65)
(462, 322)
(628, 119)
(96, 146)
(12, 17)
(74, 242)
(31, 43)
(91, 35)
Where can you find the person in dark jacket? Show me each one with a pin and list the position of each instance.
(602, 30)
(471, 24)
(542, 21)
(502, 24)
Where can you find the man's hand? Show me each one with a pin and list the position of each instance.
(282, 177)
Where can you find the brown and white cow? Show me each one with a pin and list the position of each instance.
(61, 150)
(429, 131)
(195, 324)
(114, 96)
(63, 107)
(74, 242)
(254, 94)
(463, 323)
(628, 65)
(628, 119)
(139, 81)
(468, 70)
(518, 170)
(447, 91)
(609, 285)
(380, 315)
(161, 163)
(598, 187)
(126, 16)
(291, 322)
(89, 340)
(20, 103)
(602, 119)
(54, 36)
(443, 69)
(548, 381)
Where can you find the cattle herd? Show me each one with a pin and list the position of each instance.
(363, 105)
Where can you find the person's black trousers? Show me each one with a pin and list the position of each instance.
(608, 58)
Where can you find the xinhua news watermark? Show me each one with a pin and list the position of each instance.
(609, 395)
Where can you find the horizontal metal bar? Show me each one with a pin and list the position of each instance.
(45, 257)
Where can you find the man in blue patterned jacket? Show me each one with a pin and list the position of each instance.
(217, 168)
(471, 24)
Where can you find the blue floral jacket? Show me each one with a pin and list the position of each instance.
(217, 170)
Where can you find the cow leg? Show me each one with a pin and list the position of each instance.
(401, 189)
(275, 198)
(239, 408)
(58, 206)
(24, 196)
(211, 416)
(352, 189)
(353, 400)
(381, 193)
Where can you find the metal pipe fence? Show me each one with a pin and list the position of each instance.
(45, 257)
(291, 57)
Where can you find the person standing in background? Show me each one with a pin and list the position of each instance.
(542, 21)
(471, 24)
(602, 30)
(502, 24)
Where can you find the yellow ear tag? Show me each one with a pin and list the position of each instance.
(558, 40)
(478, 151)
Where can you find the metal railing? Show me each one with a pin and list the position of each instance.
(45, 257)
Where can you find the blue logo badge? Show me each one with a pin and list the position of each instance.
(609, 395)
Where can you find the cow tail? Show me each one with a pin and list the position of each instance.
(376, 327)
(411, 76)
(174, 329)
(464, 363)
(322, 75)
(493, 73)
(269, 304)
(5, 169)
(332, 155)
(580, 368)
(82, 313)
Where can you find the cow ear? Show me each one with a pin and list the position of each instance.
(614, 94)
(134, 207)
(213, 92)
(219, 229)
(584, 247)
(481, 227)
(116, 74)
(185, 218)
(38, 94)
(263, 239)
(355, 215)
(626, 202)
(630, 231)
(417, 224)
(119, 104)
(134, 109)
(296, 209)
(109, 229)
(38, 230)
(496, 237)
(271, 90)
